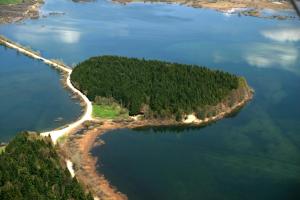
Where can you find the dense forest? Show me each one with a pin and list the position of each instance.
(157, 88)
(31, 169)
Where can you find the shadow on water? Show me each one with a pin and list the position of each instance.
(171, 128)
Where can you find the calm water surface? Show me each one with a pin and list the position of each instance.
(254, 155)
(31, 97)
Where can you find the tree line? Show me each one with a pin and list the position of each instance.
(30, 168)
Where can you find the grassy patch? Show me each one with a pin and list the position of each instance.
(62, 138)
(10, 1)
(109, 111)
(2, 149)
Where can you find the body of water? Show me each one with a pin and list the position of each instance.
(32, 97)
(253, 155)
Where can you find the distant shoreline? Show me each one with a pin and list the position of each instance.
(11, 13)
(244, 8)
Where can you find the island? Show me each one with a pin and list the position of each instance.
(159, 90)
(136, 93)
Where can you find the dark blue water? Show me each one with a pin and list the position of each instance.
(253, 155)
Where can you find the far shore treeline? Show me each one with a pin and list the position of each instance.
(151, 87)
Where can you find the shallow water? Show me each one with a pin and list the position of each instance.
(253, 155)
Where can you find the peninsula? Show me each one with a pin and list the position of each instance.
(157, 89)
(152, 93)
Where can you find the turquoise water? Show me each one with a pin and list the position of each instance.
(253, 155)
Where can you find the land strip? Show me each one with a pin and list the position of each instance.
(55, 134)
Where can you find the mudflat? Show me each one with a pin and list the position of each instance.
(14, 12)
(229, 5)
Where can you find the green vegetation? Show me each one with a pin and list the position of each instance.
(10, 1)
(30, 168)
(103, 111)
(251, 12)
(155, 88)
(108, 108)
(62, 138)
(2, 149)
